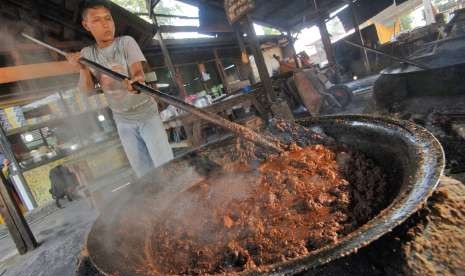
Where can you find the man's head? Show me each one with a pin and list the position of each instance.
(97, 19)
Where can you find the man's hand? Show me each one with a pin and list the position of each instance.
(73, 58)
(128, 84)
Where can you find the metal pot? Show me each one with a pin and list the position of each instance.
(412, 158)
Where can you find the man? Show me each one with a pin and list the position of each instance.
(139, 125)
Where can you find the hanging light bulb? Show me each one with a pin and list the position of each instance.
(28, 137)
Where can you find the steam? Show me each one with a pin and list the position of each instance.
(60, 94)
(8, 40)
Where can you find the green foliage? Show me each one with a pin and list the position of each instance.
(132, 5)
(169, 7)
(406, 22)
(270, 31)
(335, 27)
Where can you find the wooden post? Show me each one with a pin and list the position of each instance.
(364, 52)
(429, 13)
(244, 55)
(220, 67)
(292, 45)
(240, 41)
(180, 83)
(169, 64)
(167, 59)
(14, 219)
(202, 71)
(23, 190)
(325, 38)
(259, 59)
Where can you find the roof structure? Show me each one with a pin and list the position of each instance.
(297, 14)
(282, 15)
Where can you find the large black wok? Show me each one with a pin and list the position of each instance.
(410, 155)
(446, 62)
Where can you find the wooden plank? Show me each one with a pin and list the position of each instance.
(220, 68)
(35, 71)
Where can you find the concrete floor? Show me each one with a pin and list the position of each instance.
(61, 237)
(60, 232)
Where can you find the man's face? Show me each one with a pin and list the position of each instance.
(100, 23)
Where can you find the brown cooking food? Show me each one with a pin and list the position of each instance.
(255, 214)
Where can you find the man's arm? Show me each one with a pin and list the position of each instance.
(135, 58)
(86, 82)
(137, 75)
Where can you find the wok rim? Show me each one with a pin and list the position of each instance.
(387, 222)
(396, 213)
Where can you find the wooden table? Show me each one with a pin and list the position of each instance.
(194, 126)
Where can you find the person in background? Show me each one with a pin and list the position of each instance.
(137, 119)
(64, 183)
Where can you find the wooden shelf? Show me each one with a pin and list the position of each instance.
(56, 121)
(79, 153)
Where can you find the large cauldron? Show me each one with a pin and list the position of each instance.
(446, 62)
(410, 155)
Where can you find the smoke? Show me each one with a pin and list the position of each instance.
(172, 197)
(8, 40)
(77, 121)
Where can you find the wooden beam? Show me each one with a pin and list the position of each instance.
(174, 73)
(180, 83)
(35, 71)
(246, 65)
(202, 70)
(325, 38)
(366, 60)
(290, 38)
(175, 16)
(259, 59)
(178, 29)
(194, 29)
(220, 68)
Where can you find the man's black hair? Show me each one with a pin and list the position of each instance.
(92, 4)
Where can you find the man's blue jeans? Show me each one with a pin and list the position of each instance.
(145, 142)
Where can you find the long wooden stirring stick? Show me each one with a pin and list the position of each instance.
(240, 130)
